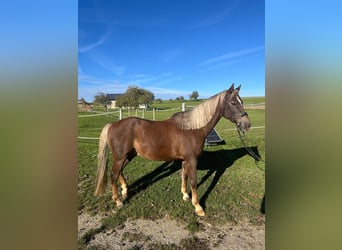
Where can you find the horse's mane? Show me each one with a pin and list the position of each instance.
(199, 116)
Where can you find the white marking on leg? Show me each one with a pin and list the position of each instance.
(124, 192)
(186, 197)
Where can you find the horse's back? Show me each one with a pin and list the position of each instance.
(138, 128)
(130, 124)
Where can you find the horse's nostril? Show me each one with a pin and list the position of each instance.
(244, 114)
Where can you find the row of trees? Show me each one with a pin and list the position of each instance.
(133, 97)
(193, 96)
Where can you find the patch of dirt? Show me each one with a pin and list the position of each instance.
(87, 222)
(170, 234)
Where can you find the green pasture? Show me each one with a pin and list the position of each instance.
(231, 185)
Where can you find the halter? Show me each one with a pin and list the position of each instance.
(244, 114)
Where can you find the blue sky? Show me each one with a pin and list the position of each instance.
(171, 47)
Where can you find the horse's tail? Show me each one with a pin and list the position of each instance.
(101, 175)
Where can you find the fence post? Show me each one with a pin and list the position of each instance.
(120, 114)
(154, 114)
(183, 106)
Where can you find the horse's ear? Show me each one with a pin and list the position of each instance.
(231, 89)
(238, 88)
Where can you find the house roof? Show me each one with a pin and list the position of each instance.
(113, 96)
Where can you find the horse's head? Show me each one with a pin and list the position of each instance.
(233, 109)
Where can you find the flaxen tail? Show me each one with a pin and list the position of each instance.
(101, 175)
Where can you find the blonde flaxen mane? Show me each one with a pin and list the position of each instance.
(199, 116)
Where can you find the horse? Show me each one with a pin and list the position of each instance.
(181, 137)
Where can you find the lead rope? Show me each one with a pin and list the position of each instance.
(250, 151)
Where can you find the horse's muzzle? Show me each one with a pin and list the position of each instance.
(244, 124)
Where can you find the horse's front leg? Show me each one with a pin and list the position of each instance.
(191, 170)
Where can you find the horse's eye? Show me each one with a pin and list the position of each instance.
(233, 103)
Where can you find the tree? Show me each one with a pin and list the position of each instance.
(135, 96)
(102, 99)
(194, 95)
(180, 98)
(121, 101)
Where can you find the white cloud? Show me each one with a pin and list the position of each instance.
(215, 17)
(156, 80)
(99, 42)
(107, 63)
(165, 93)
(230, 55)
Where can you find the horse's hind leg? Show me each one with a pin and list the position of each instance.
(123, 183)
(184, 182)
(122, 179)
(116, 172)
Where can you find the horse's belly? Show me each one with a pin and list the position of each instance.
(157, 151)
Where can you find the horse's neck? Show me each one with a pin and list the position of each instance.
(211, 124)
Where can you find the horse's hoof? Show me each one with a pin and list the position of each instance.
(119, 204)
(200, 213)
(186, 197)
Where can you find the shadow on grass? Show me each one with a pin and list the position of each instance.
(217, 162)
(213, 161)
(164, 170)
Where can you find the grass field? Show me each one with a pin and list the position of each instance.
(230, 184)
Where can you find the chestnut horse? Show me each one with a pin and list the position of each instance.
(180, 137)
